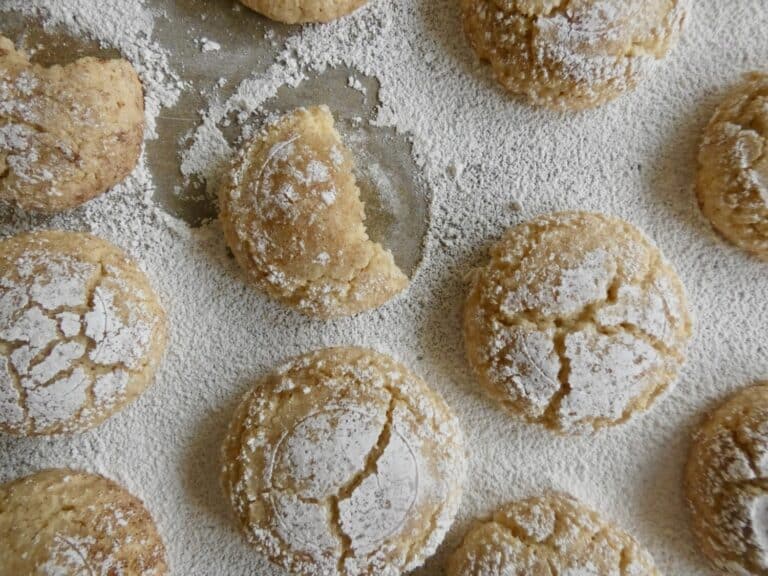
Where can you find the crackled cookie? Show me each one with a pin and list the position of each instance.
(81, 332)
(74, 523)
(733, 167)
(292, 215)
(344, 463)
(572, 55)
(547, 536)
(577, 322)
(727, 483)
(303, 11)
(67, 133)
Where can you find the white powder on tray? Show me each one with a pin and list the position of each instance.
(634, 158)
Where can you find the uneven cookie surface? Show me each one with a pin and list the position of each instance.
(572, 55)
(81, 332)
(733, 167)
(727, 483)
(342, 462)
(67, 133)
(577, 322)
(549, 536)
(303, 11)
(65, 522)
(292, 215)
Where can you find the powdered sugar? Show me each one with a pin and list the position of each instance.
(634, 158)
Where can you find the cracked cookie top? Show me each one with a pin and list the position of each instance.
(343, 462)
(81, 332)
(577, 322)
(303, 11)
(572, 54)
(549, 536)
(727, 483)
(292, 215)
(67, 133)
(733, 167)
(61, 521)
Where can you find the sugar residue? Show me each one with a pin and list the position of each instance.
(635, 158)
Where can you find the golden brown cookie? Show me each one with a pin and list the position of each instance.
(553, 535)
(292, 215)
(67, 133)
(577, 322)
(342, 462)
(303, 11)
(81, 332)
(733, 167)
(66, 522)
(572, 55)
(727, 483)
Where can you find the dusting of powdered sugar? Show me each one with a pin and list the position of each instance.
(480, 154)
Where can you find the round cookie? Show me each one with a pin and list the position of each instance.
(733, 167)
(81, 332)
(572, 55)
(303, 11)
(66, 522)
(344, 463)
(727, 484)
(67, 133)
(546, 536)
(577, 322)
(292, 215)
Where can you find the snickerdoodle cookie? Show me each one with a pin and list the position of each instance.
(727, 483)
(547, 536)
(733, 167)
(572, 55)
(303, 11)
(81, 332)
(292, 215)
(577, 322)
(66, 522)
(67, 133)
(343, 462)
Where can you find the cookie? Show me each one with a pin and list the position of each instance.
(292, 215)
(67, 133)
(66, 522)
(547, 536)
(81, 332)
(344, 463)
(572, 55)
(727, 483)
(577, 322)
(732, 182)
(303, 11)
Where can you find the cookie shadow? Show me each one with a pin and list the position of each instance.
(201, 463)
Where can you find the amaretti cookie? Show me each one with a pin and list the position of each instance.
(727, 483)
(577, 322)
(81, 332)
(572, 55)
(733, 167)
(548, 536)
(292, 215)
(303, 11)
(342, 462)
(67, 133)
(73, 523)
